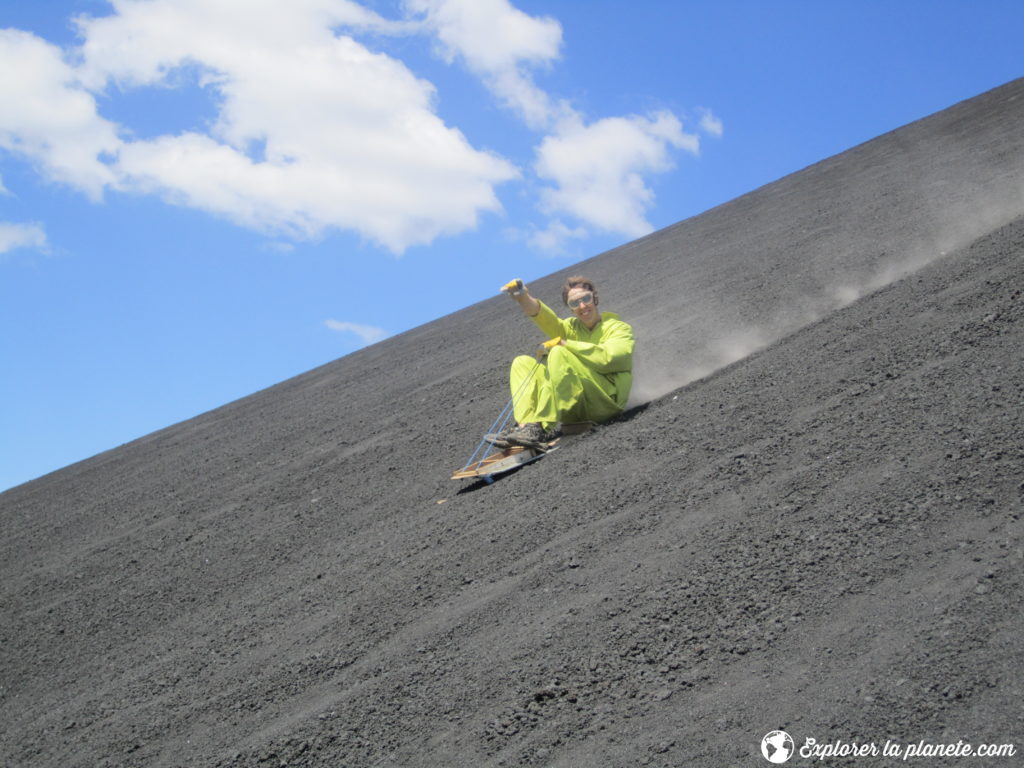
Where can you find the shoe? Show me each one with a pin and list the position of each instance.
(528, 435)
(499, 439)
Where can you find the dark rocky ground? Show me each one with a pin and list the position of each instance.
(813, 524)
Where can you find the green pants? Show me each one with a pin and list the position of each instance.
(561, 388)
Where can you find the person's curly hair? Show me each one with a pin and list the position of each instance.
(578, 281)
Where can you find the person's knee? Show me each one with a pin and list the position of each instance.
(559, 356)
(523, 363)
(562, 362)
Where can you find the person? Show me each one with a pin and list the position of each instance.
(588, 370)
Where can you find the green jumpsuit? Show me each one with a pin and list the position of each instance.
(588, 379)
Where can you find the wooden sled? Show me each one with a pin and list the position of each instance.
(507, 459)
(503, 460)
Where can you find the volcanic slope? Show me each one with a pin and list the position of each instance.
(823, 536)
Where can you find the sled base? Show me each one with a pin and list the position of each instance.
(503, 461)
(507, 459)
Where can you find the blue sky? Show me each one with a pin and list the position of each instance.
(202, 198)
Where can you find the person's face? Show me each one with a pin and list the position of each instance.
(585, 306)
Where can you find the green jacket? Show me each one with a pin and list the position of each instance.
(606, 349)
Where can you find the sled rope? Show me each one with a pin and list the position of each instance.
(503, 417)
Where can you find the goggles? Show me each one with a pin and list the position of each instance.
(586, 298)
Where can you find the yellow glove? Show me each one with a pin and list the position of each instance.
(513, 288)
(547, 346)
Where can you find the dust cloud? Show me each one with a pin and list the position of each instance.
(669, 357)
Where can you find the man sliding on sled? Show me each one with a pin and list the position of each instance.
(588, 372)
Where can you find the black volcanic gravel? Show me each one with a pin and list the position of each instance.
(813, 524)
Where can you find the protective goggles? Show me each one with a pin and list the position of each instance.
(586, 298)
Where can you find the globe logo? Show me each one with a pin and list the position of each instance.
(777, 747)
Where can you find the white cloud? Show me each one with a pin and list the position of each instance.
(491, 34)
(48, 118)
(279, 246)
(347, 138)
(599, 169)
(384, 201)
(314, 130)
(499, 43)
(554, 239)
(710, 124)
(14, 236)
(145, 40)
(368, 333)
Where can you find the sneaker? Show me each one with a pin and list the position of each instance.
(499, 439)
(528, 435)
